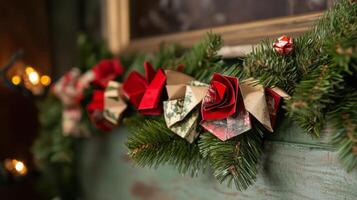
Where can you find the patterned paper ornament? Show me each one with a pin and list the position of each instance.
(96, 112)
(223, 112)
(69, 89)
(283, 45)
(114, 103)
(262, 103)
(181, 110)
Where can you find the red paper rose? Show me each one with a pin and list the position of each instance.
(145, 93)
(95, 110)
(221, 99)
(106, 70)
(223, 112)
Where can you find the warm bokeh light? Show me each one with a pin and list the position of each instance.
(16, 80)
(19, 166)
(34, 77)
(16, 167)
(29, 70)
(45, 80)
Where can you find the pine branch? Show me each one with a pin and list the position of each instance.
(152, 144)
(233, 161)
(344, 134)
(319, 90)
(308, 106)
(312, 73)
(202, 60)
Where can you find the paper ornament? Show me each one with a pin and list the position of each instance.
(69, 89)
(114, 103)
(95, 111)
(145, 93)
(223, 111)
(106, 70)
(181, 110)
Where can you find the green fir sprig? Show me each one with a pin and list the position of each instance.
(233, 161)
(152, 144)
(344, 130)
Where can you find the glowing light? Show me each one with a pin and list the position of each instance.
(45, 80)
(16, 80)
(19, 166)
(16, 167)
(29, 70)
(34, 77)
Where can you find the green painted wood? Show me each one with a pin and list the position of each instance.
(290, 169)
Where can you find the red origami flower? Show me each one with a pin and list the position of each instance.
(223, 112)
(106, 70)
(95, 110)
(145, 93)
(221, 99)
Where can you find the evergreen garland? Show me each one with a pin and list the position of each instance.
(320, 75)
(313, 74)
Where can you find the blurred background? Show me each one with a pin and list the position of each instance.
(39, 38)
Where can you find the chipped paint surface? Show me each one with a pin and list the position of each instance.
(294, 167)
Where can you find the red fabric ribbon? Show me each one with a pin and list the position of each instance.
(95, 111)
(145, 93)
(107, 70)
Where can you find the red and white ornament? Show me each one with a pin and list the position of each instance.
(283, 45)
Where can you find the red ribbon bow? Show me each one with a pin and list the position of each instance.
(145, 92)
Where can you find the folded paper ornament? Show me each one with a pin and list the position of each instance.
(114, 103)
(106, 70)
(255, 102)
(69, 89)
(223, 111)
(181, 110)
(262, 104)
(96, 112)
(273, 99)
(145, 93)
(71, 123)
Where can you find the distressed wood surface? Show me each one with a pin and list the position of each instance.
(294, 166)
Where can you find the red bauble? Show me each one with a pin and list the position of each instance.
(283, 45)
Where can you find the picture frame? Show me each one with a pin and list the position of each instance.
(238, 38)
